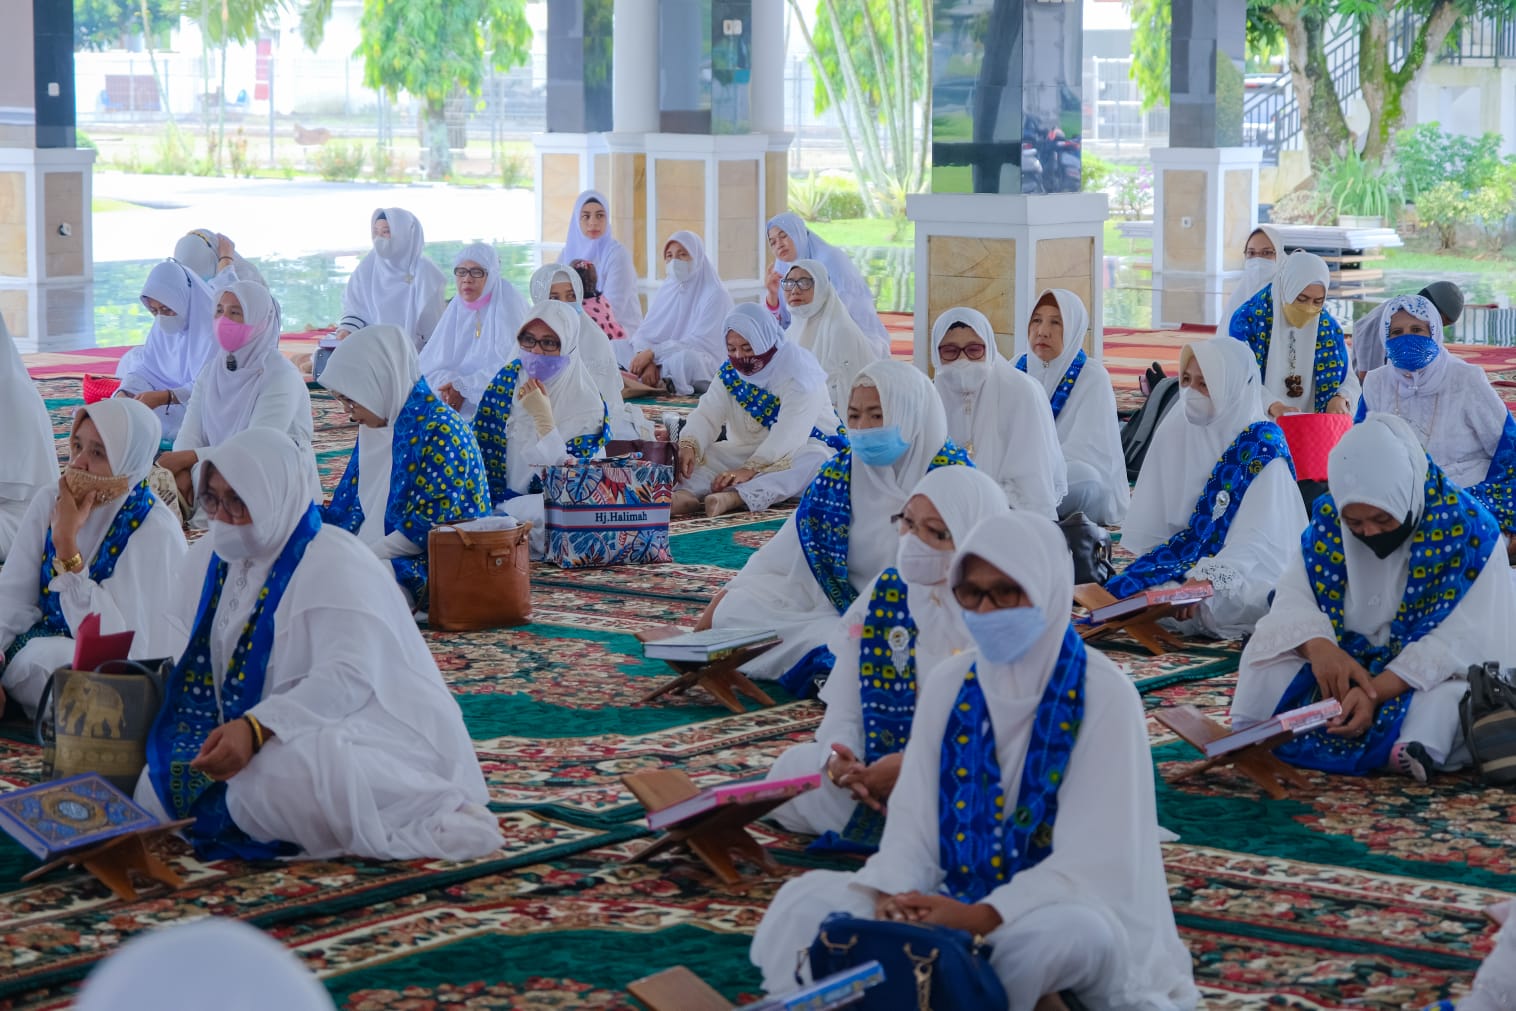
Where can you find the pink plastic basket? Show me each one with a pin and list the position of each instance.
(97, 388)
(1311, 438)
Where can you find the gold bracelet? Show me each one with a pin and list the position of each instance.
(258, 734)
(74, 564)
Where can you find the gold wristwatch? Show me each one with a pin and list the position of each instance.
(74, 564)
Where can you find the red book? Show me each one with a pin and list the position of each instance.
(1177, 596)
(1294, 722)
(92, 650)
(731, 793)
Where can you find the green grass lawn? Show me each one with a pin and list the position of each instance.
(101, 205)
(865, 232)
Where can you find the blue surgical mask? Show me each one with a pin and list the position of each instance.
(878, 447)
(1004, 636)
(1410, 352)
(542, 367)
(578, 306)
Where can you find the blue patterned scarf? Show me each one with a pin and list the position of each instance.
(1065, 385)
(436, 477)
(1258, 445)
(763, 407)
(977, 853)
(1497, 492)
(1449, 549)
(825, 518)
(490, 424)
(190, 713)
(1253, 323)
(132, 514)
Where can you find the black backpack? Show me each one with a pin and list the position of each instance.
(1137, 433)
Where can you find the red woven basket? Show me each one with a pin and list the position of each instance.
(1311, 438)
(97, 388)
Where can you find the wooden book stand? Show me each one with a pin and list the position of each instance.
(720, 677)
(1256, 761)
(1142, 626)
(718, 837)
(677, 989)
(115, 861)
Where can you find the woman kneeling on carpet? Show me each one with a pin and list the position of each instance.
(1216, 501)
(416, 465)
(100, 542)
(306, 715)
(844, 533)
(1024, 812)
(893, 637)
(1400, 585)
(770, 399)
(542, 410)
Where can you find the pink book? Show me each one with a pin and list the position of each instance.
(732, 793)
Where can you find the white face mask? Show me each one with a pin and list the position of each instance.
(920, 563)
(1199, 409)
(233, 542)
(680, 270)
(382, 245)
(962, 376)
(171, 324)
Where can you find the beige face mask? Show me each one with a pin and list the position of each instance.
(1300, 314)
(103, 488)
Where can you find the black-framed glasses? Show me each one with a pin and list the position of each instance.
(906, 525)
(530, 343)
(1002, 597)
(214, 504)
(477, 273)
(952, 352)
(801, 283)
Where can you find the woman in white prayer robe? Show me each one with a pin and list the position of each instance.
(247, 383)
(1353, 619)
(1369, 330)
(476, 335)
(99, 541)
(1075, 900)
(555, 282)
(819, 322)
(395, 284)
(791, 241)
(896, 633)
(680, 341)
(843, 534)
(1216, 500)
(1083, 402)
(1261, 256)
(998, 413)
(162, 372)
(589, 238)
(762, 431)
(30, 462)
(306, 715)
(214, 258)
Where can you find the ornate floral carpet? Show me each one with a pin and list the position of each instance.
(1352, 894)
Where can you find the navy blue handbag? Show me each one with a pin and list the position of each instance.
(926, 968)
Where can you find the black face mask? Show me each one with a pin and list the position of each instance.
(1383, 544)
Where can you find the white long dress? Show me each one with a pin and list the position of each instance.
(615, 271)
(1299, 271)
(683, 328)
(846, 279)
(1093, 916)
(824, 327)
(397, 286)
(172, 360)
(30, 462)
(472, 343)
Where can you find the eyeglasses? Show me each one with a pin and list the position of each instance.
(214, 504)
(952, 352)
(1002, 597)
(1258, 254)
(906, 525)
(162, 310)
(548, 344)
(802, 283)
(477, 273)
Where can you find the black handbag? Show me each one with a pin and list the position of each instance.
(1090, 544)
(1488, 716)
(926, 968)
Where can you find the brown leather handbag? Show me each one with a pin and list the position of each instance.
(479, 579)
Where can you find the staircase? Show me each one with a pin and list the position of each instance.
(1271, 114)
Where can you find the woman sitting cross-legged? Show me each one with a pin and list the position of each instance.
(306, 715)
(99, 542)
(1024, 812)
(893, 637)
(998, 413)
(844, 533)
(416, 465)
(1216, 500)
(771, 401)
(476, 334)
(679, 343)
(1400, 584)
(541, 410)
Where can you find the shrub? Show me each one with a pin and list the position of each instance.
(516, 172)
(384, 162)
(286, 168)
(806, 197)
(1131, 191)
(1359, 188)
(1490, 206)
(1445, 207)
(1427, 156)
(338, 162)
(1097, 172)
(236, 151)
(174, 159)
(842, 197)
(85, 141)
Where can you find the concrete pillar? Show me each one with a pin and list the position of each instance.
(767, 95)
(634, 61)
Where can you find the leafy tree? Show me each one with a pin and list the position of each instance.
(1151, 29)
(222, 23)
(871, 60)
(106, 24)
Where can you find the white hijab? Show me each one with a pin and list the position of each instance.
(199, 251)
(578, 246)
(1076, 323)
(1257, 272)
(172, 361)
(792, 369)
(1183, 454)
(1299, 271)
(131, 432)
(228, 395)
(594, 346)
(468, 346)
(31, 457)
(392, 285)
(688, 312)
(824, 328)
(964, 496)
(1428, 380)
(846, 280)
(1378, 463)
(1002, 413)
(577, 406)
(206, 963)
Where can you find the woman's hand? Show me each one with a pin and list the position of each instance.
(871, 784)
(1357, 715)
(155, 399)
(687, 454)
(1279, 407)
(178, 460)
(534, 401)
(640, 362)
(771, 286)
(224, 248)
(1338, 405)
(1336, 672)
(733, 478)
(227, 750)
(69, 515)
(978, 919)
(450, 396)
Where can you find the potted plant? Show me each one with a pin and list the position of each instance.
(1365, 195)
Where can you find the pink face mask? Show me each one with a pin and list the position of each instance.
(476, 306)
(231, 335)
